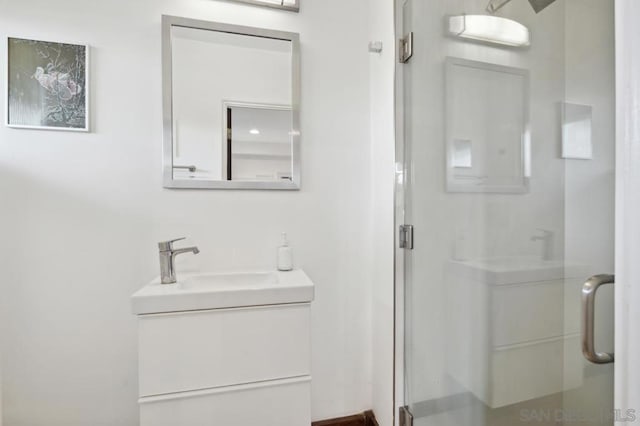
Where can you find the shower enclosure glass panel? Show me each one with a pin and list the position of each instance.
(508, 181)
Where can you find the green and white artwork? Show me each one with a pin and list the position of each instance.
(47, 85)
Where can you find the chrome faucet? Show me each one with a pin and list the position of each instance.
(168, 257)
(547, 243)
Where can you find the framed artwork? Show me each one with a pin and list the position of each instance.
(47, 85)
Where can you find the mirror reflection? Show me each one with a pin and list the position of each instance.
(487, 126)
(258, 142)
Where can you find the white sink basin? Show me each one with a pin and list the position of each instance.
(229, 290)
(251, 280)
(517, 269)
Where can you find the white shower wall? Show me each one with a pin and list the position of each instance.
(590, 184)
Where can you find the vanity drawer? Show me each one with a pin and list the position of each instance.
(195, 350)
(280, 402)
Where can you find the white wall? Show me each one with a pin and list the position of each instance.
(81, 213)
(589, 184)
(381, 28)
(627, 369)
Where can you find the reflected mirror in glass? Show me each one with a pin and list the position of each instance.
(487, 127)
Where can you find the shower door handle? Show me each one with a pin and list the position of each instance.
(589, 290)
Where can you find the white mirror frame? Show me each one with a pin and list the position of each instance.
(167, 105)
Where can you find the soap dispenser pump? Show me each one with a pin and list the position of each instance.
(285, 257)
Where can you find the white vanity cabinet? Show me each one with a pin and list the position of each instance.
(231, 366)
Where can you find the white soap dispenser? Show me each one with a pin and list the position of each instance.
(285, 257)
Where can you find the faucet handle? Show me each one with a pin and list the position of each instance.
(168, 245)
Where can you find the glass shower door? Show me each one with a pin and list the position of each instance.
(508, 183)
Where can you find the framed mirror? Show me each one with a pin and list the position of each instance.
(291, 5)
(231, 99)
(487, 127)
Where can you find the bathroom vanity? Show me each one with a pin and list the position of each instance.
(225, 349)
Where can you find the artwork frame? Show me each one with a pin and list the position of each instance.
(47, 85)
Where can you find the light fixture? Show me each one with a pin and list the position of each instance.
(490, 29)
(254, 131)
(292, 5)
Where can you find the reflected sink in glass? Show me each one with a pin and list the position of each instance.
(225, 290)
(516, 269)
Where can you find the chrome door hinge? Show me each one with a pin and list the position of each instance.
(406, 48)
(406, 237)
(406, 418)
